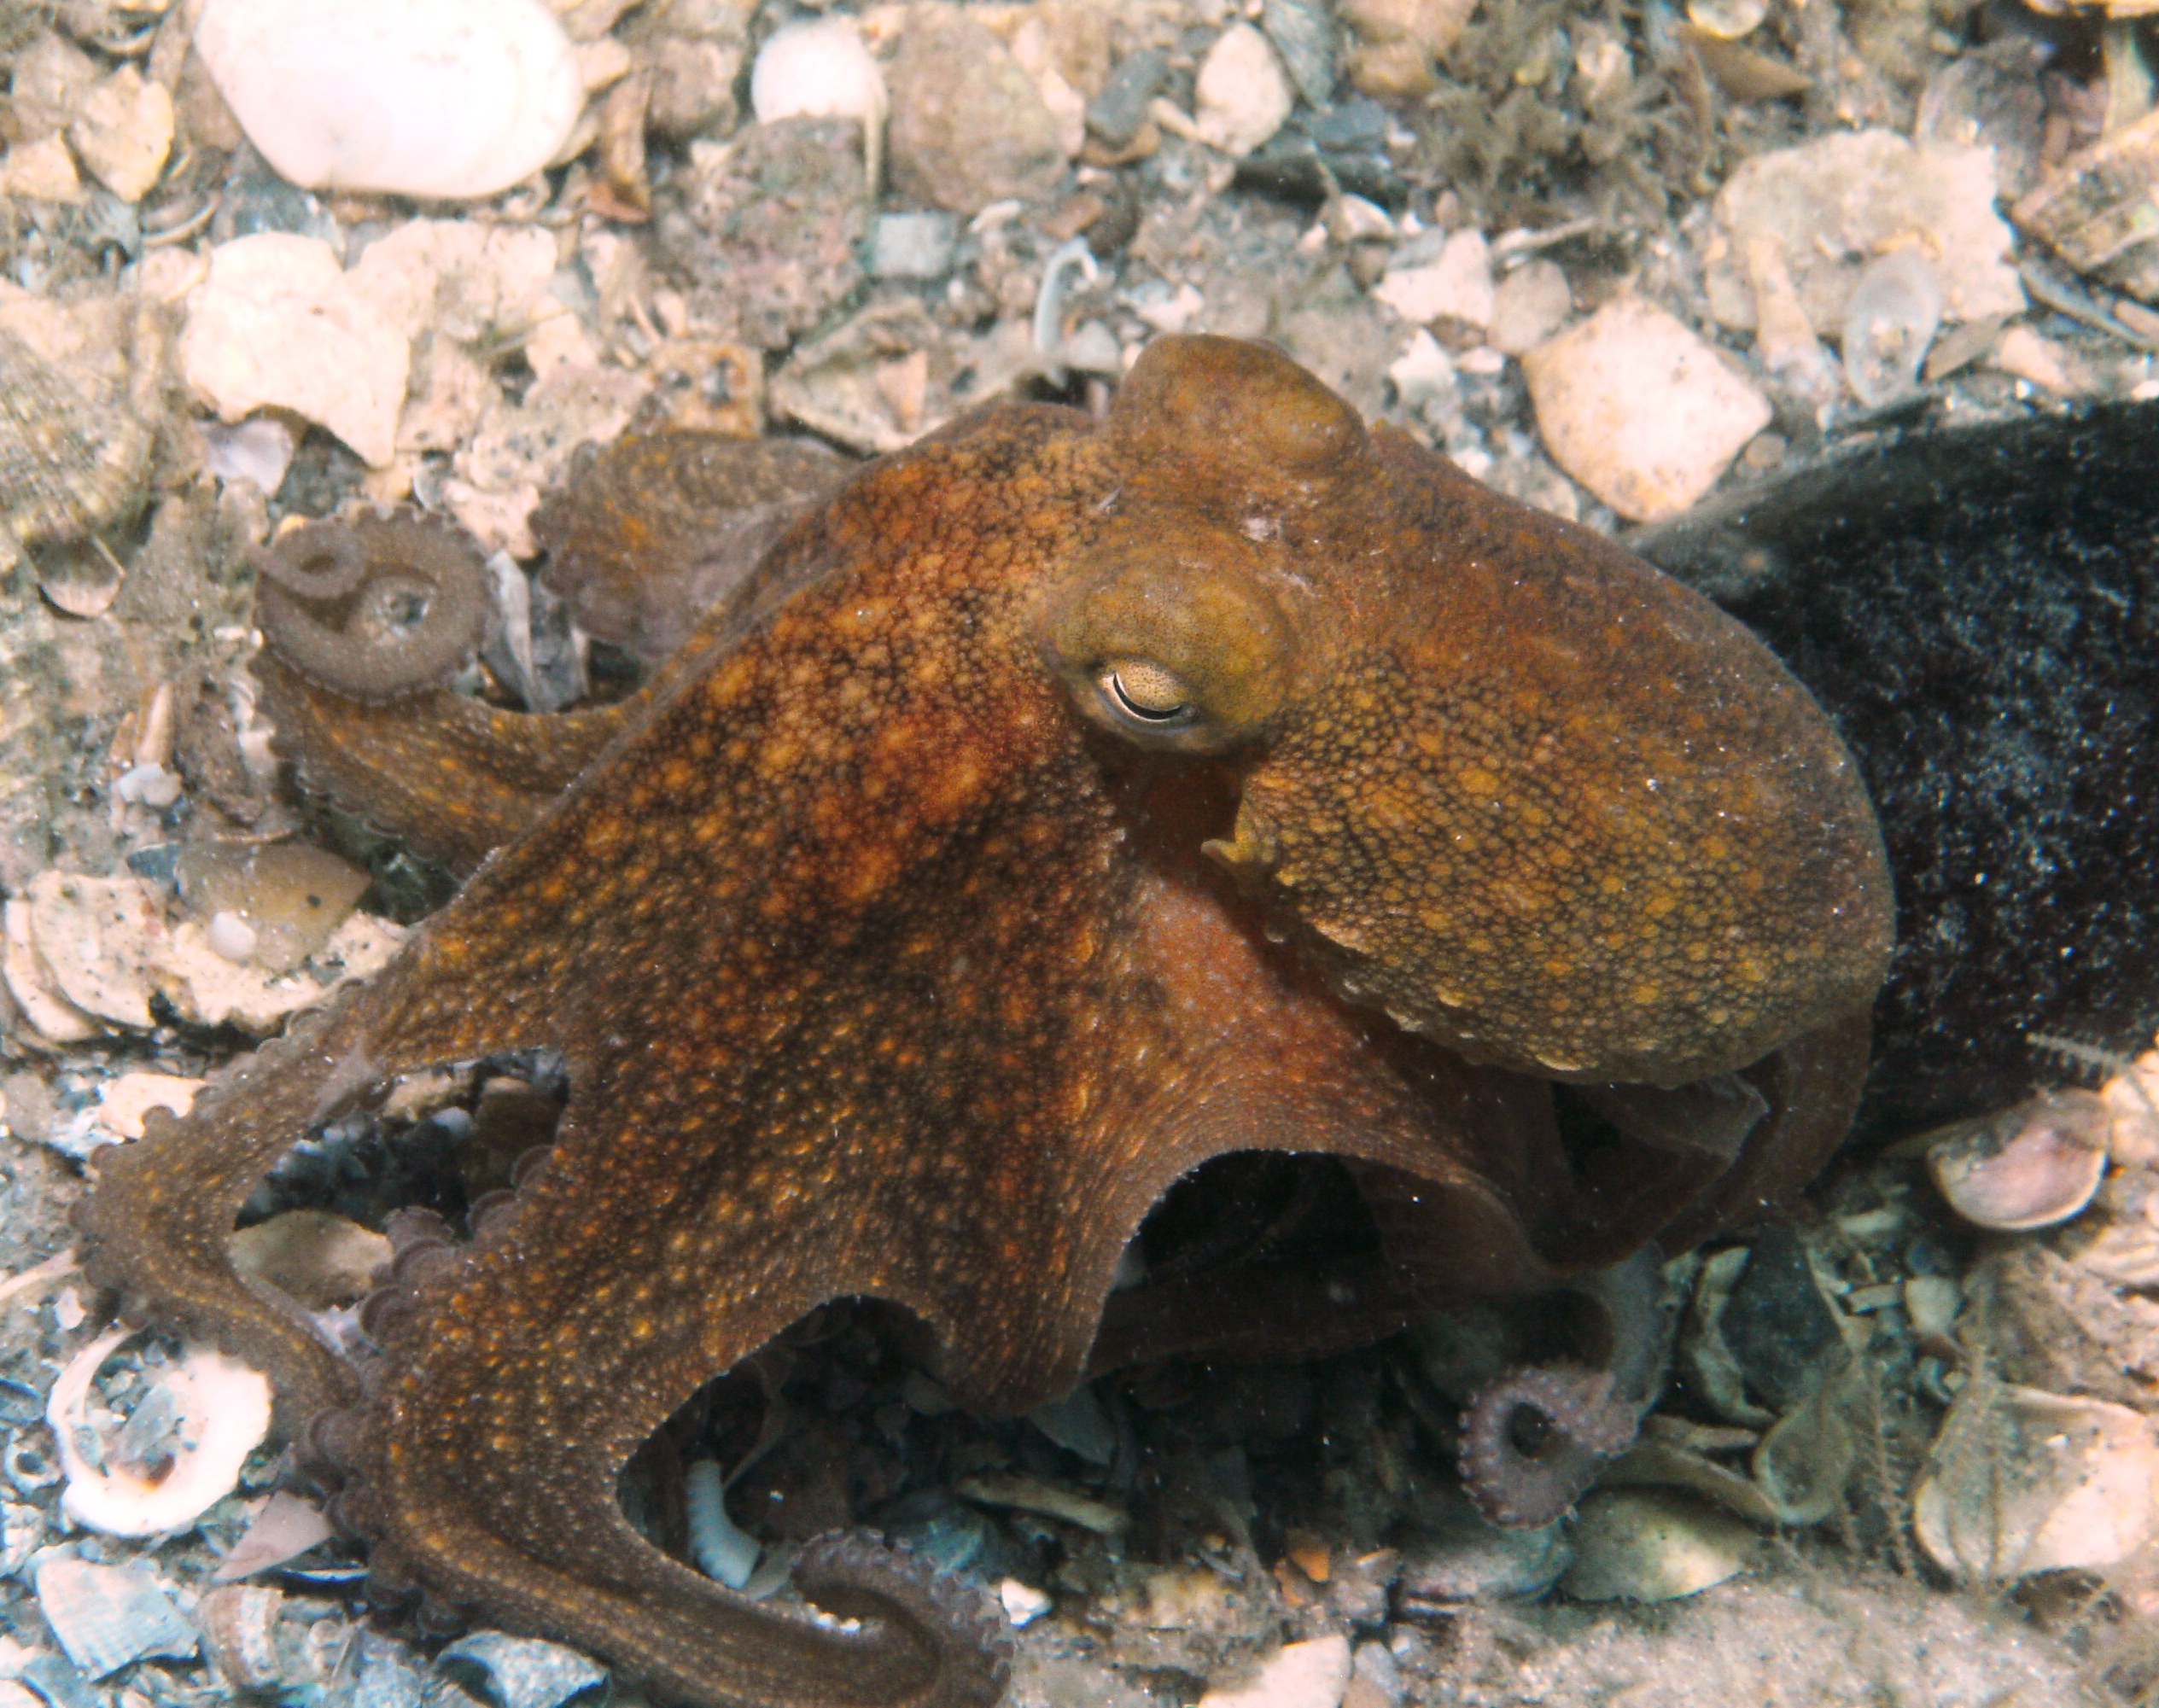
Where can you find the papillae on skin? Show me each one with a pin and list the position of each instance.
(1057, 807)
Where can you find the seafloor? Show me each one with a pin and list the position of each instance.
(1904, 1454)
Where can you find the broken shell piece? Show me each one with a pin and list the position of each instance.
(2030, 1167)
(2094, 210)
(107, 1616)
(321, 1260)
(1805, 1461)
(2022, 1480)
(1653, 1545)
(445, 99)
(520, 1672)
(2132, 1098)
(221, 1413)
(1891, 319)
(286, 898)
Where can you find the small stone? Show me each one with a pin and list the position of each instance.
(258, 450)
(1640, 409)
(763, 233)
(278, 324)
(1311, 1674)
(969, 127)
(123, 133)
(1450, 281)
(1302, 33)
(2041, 361)
(693, 50)
(1528, 305)
(1242, 95)
(40, 171)
(1834, 203)
(1116, 114)
(1022, 1603)
(913, 246)
(1653, 1545)
(1397, 42)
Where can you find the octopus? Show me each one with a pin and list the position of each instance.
(1058, 807)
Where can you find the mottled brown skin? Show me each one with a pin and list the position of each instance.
(880, 941)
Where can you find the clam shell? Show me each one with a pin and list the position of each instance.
(520, 1672)
(2022, 1481)
(444, 99)
(1653, 1545)
(220, 1413)
(2034, 1166)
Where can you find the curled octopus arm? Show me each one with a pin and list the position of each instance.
(363, 625)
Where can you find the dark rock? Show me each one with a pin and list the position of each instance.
(1116, 114)
(1779, 1328)
(1979, 611)
(1303, 32)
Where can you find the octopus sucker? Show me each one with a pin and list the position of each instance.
(885, 956)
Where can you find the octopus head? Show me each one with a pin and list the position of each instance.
(1503, 780)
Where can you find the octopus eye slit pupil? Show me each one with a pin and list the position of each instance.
(1150, 703)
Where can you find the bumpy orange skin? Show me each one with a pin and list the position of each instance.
(886, 961)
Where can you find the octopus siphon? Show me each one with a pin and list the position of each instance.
(1059, 805)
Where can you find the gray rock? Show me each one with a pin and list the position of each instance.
(107, 1616)
(1116, 114)
(1303, 32)
(968, 125)
(912, 245)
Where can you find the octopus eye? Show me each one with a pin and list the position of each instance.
(1145, 692)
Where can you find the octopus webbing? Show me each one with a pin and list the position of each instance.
(1058, 806)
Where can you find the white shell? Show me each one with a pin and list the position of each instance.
(2022, 1480)
(222, 1412)
(817, 71)
(443, 99)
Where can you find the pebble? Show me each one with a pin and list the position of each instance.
(2022, 1481)
(107, 1616)
(1308, 1674)
(1397, 42)
(1022, 1603)
(1242, 95)
(913, 246)
(122, 1102)
(1640, 409)
(1118, 111)
(278, 324)
(1832, 204)
(692, 51)
(969, 127)
(123, 133)
(1653, 1545)
(2032, 1167)
(1302, 33)
(41, 170)
(258, 450)
(1441, 278)
(448, 100)
(1528, 305)
(2041, 361)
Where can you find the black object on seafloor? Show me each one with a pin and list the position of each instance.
(1978, 608)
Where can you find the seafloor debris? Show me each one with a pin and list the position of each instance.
(2030, 1167)
(107, 1616)
(179, 1454)
(2023, 1482)
(1653, 1545)
(1640, 409)
(446, 99)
